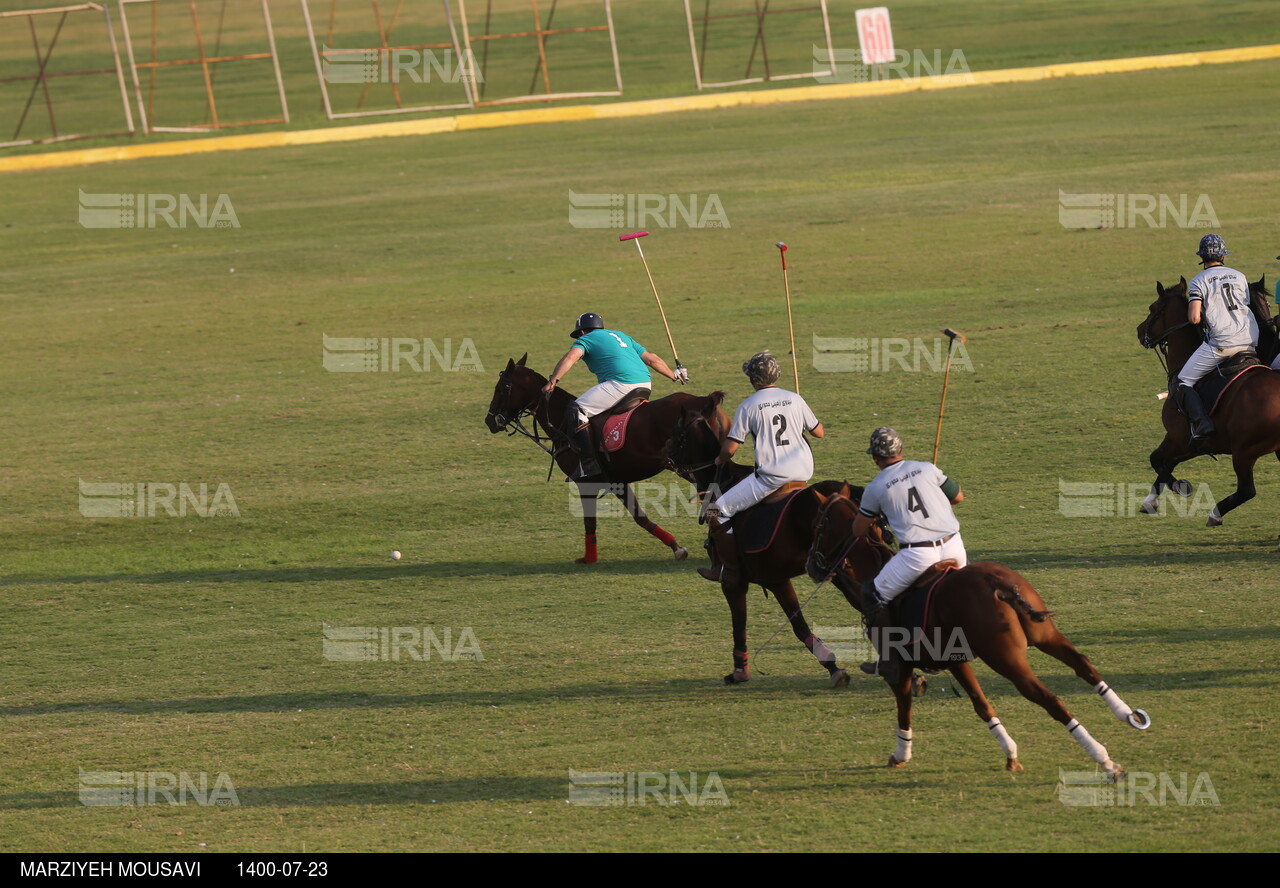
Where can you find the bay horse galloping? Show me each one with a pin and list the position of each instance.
(1246, 419)
(695, 442)
(518, 395)
(985, 611)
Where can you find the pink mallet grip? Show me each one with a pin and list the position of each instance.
(633, 235)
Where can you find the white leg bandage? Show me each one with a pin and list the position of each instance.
(903, 752)
(1006, 742)
(1095, 749)
(1118, 706)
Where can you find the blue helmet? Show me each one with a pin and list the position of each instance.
(585, 323)
(1212, 248)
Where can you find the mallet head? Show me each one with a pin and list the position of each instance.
(633, 235)
(952, 334)
(781, 246)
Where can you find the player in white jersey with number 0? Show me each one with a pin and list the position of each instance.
(916, 499)
(1219, 297)
(777, 421)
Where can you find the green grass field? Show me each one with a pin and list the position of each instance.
(190, 355)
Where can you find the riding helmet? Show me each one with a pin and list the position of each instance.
(762, 369)
(885, 443)
(1212, 248)
(588, 321)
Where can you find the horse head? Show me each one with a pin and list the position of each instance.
(1164, 316)
(834, 545)
(697, 436)
(515, 392)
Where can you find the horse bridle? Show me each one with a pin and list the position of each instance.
(1161, 342)
(820, 560)
(514, 426)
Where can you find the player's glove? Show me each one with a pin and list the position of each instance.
(681, 375)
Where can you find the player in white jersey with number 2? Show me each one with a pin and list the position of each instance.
(916, 499)
(777, 421)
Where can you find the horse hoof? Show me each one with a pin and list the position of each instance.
(839, 679)
(737, 677)
(1013, 765)
(919, 685)
(1182, 487)
(894, 763)
(584, 560)
(681, 553)
(1115, 772)
(1139, 719)
(1214, 521)
(1150, 505)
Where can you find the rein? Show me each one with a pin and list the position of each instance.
(1160, 343)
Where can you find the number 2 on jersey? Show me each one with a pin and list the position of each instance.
(781, 422)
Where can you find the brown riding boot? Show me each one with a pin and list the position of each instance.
(724, 563)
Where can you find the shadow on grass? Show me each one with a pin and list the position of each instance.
(800, 689)
(413, 792)
(381, 573)
(1207, 553)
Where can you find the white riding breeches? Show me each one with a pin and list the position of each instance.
(1202, 362)
(905, 567)
(602, 396)
(743, 495)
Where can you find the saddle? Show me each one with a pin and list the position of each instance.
(609, 427)
(755, 528)
(911, 610)
(1215, 384)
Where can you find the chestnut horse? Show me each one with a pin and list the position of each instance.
(518, 395)
(1246, 423)
(695, 442)
(983, 611)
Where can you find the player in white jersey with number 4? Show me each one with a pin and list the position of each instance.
(916, 499)
(777, 421)
(1219, 297)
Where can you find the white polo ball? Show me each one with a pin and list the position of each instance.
(395, 556)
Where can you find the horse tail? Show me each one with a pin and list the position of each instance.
(1014, 599)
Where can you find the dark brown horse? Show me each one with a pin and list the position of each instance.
(518, 396)
(982, 611)
(695, 443)
(1246, 423)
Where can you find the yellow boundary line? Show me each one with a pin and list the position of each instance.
(702, 102)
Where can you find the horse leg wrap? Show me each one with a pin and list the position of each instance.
(1118, 706)
(665, 538)
(591, 553)
(739, 661)
(1096, 750)
(1006, 742)
(903, 752)
(825, 655)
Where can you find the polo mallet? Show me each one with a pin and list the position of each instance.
(786, 282)
(952, 335)
(635, 236)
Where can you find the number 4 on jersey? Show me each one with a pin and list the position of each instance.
(915, 504)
